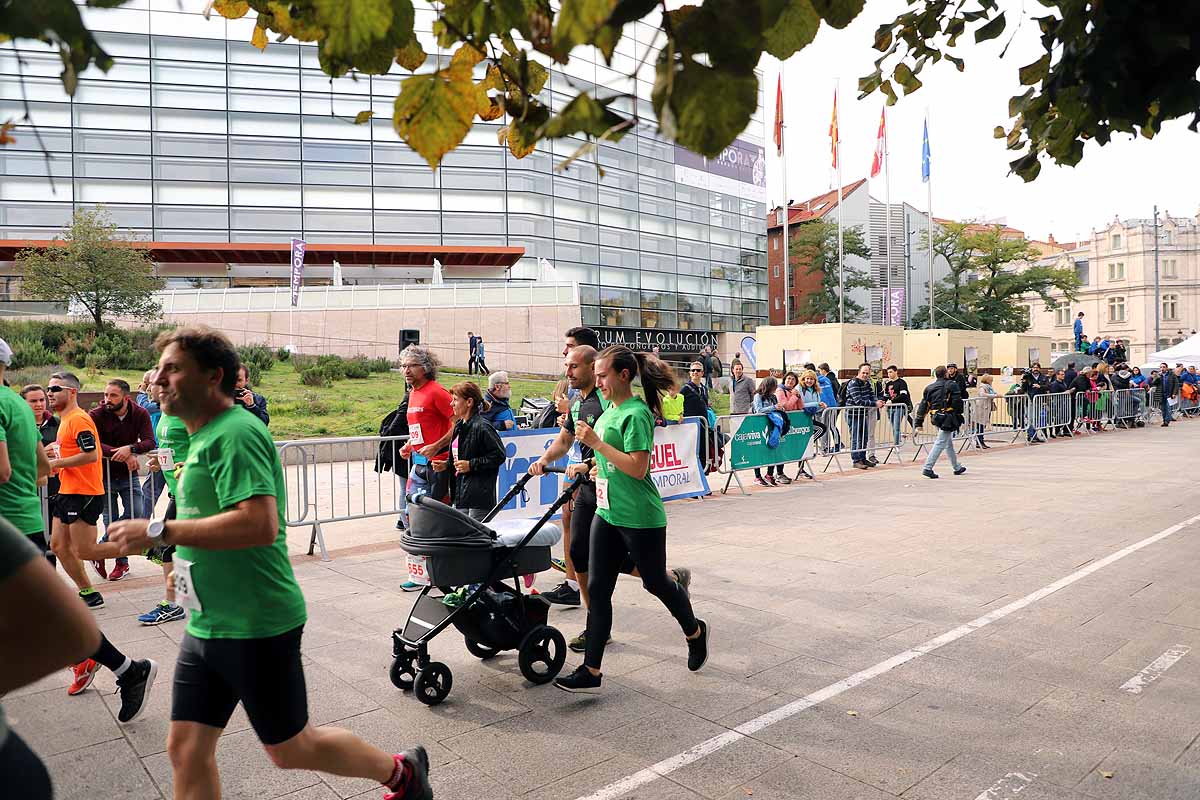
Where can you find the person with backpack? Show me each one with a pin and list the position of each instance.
(942, 400)
(387, 459)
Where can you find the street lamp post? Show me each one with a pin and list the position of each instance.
(1157, 298)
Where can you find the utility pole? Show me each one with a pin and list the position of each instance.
(1157, 299)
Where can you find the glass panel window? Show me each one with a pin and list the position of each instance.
(1116, 241)
(1170, 306)
(337, 197)
(1116, 271)
(336, 220)
(264, 171)
(111, 118)
(1169, 269)
(459, 200)
(257, 194)
(275, 102)
(185, 217)
(33, 188)
(1116, 309)
(112, 191)
(169, 144)
(191, 193)
(279, 219)
(408, 222)
(250, 147)
(337, 174)
(181, 74)
(244, 122)
(246, 77)
(1062, 315)
(98, 166)
(189, 121)
(190, 169)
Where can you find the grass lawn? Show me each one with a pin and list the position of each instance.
(348, 408)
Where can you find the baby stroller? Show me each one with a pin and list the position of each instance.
(446, 548)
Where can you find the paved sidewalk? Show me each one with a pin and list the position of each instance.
(804, 586)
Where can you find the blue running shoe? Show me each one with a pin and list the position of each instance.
(163, 612)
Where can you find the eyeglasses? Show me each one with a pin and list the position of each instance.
(56, 389)
(500, 383)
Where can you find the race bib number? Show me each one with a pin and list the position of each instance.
(418, 569)
(185, 591)
(166, 459)
(414, 435)
(602, 493)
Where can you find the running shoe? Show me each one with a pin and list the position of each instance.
(683, 576)
(563, 595)
(559, 564)
(409, 586)
(101, 570)
(119, 570)
(92, 599)
(163, 612)
(698, 647)
(581, 680)
(416, 776)
(959, 470)
(770, 479)
(784, 479)
(579, 643)
(84, 672)
(761, 482)
(135, 686)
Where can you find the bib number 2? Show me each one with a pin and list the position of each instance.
(602, 493)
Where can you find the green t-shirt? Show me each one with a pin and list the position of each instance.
(250, 593)
(19, 501)
(172, 433)
(632, 502)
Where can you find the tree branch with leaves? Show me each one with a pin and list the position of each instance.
(814, 249)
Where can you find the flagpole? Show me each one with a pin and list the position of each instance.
(929, 227)
(787, 208)
(887, 200)
(841, 255)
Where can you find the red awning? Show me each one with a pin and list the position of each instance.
(383, 255)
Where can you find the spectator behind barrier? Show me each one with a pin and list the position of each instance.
(497, 409)
(245, 397)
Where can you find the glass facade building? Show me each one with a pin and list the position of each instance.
(194, 135)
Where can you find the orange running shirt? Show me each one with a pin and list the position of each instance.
(76, 434)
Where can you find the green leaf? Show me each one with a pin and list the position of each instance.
(363, 117)
(905, 77)
(411, 56)
(1036, 72)
(586, 114)
(703, 108)
(991, 30)
(434, 112)
(838, 13)
(794, 29)
(479, 20)
(578, 21)
(353, 26)
(729, 32)
(1027, 166)
(610, 32)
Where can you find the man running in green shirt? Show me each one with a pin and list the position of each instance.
(246, 613)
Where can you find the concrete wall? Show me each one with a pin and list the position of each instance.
(842, 346)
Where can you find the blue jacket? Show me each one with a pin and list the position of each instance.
(827, 395)
(1188, 377)
(1078, 326)
(499, 413)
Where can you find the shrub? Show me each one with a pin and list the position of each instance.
(316, 376)
(259, 355)
(314, 405)
(283, 354)
(380, 365)
(357, 368)
(253, 373)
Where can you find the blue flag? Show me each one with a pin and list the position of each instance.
(925, 154)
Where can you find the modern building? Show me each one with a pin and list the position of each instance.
(1116, 269)
(218, 154)
(893, 297)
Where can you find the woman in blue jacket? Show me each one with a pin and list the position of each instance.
(829, 398)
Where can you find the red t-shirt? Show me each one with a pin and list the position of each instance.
(429, 415)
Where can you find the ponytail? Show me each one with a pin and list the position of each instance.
(656, 376)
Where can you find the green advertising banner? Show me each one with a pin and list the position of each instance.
(749, 446)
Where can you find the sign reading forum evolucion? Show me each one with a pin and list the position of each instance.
(646, 339)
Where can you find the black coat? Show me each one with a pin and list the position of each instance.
(394, 424)
(479, 444)
(695, 400)
(939, 395)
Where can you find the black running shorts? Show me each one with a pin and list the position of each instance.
(85, 508)
(212, 675)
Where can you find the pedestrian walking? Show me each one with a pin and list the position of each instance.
(472, 345)
(942, 400)
(481, 356)
(630, 521)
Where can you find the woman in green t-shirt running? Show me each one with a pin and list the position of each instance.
(630, 521)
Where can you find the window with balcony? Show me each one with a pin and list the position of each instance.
(1116, 309)
(1170, 306)
(1116, 271)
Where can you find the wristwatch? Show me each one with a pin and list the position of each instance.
(157, 530)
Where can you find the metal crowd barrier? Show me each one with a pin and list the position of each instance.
(870, 430)
(1093, 410)
(728, 425)
(334, 480)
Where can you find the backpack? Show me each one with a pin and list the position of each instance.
(946, 417)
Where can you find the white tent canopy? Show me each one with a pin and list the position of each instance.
(1186, 352)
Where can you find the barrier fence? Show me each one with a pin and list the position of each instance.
(335, 480)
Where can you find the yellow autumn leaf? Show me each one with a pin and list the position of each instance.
(434, 112)
(363, 116)
(259, 38)
(231, 9)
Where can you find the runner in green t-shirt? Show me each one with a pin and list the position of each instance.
(630, 519)
(25, 462)
(172, 438)
(233, 574)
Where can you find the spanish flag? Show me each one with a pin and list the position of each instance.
(833, 130)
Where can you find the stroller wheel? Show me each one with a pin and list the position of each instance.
(403, 673)
(481, 651)
(542, 654)
(433, 683)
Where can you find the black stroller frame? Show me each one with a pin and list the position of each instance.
(541, 648)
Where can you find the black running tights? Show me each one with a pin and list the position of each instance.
(611, 546)
(24, 773)
(108, 656)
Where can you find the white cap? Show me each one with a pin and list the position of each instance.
(6, 353)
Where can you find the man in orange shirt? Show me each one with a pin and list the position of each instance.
(76, 461)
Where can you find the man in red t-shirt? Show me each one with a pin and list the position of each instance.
(430, 425)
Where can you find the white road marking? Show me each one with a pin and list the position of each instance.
(1154, 670)
(747, 729)
(1007, 787)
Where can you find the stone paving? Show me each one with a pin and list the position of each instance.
(803, 586)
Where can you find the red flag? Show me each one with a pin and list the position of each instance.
(779, 114)
(833, 131)
(877, 162)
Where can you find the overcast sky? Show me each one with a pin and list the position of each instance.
(970, 168)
